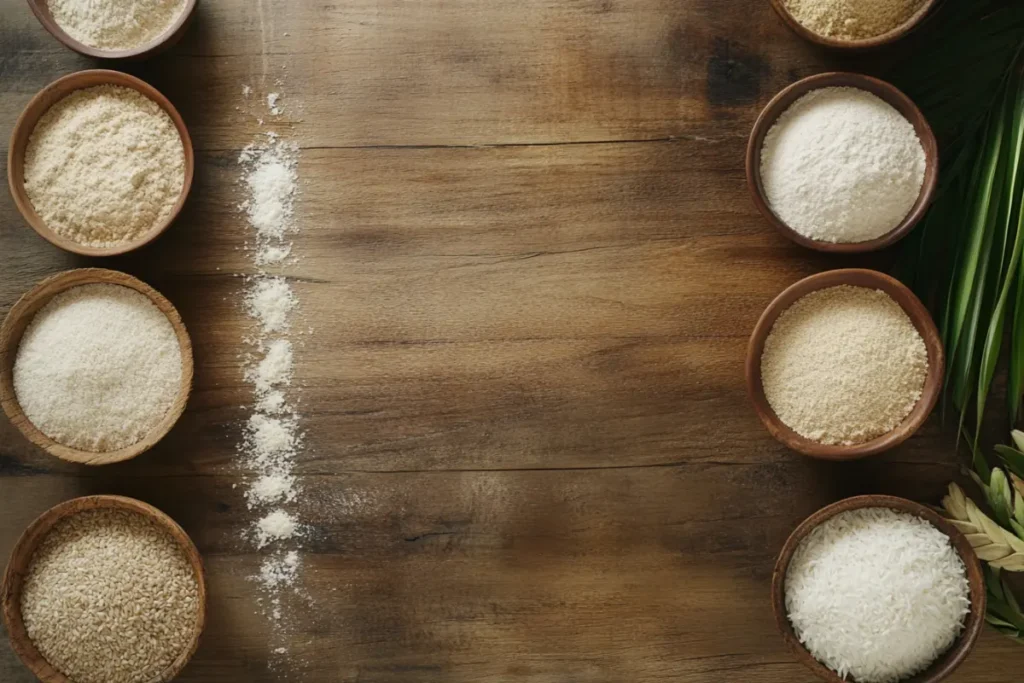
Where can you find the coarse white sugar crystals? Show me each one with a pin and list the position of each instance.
(98, 367)
(842, 165)
(876, 594)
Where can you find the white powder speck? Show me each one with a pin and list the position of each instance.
(272, 402)
(274, 370)
(279, 570)
(272, 100)
(246, 91)
(278, 525)
(269, 300)
(271, 488)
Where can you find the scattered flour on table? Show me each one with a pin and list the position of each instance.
(269, 300)
(876, 594)
(98, 367)
(278, 525)
(115, 24)
(272, 437)
(843, 365)
(841, 165)
(271, 180)
(104, 166)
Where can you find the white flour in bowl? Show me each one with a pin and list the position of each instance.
(115, 24)
(841, 165)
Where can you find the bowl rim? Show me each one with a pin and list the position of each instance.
(889, 94)
(21, 315)
(881, 40)
(949, 660)
(46, 98)
(170, 35)
(857, 277)
(25, 547)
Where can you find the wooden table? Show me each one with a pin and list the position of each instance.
(530, 265)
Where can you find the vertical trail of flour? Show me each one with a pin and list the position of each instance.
(272, 435)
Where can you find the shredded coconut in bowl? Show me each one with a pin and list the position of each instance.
(104, 166)
(876, 594)
(115, 24)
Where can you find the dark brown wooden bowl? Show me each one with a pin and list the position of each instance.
(18, 319)
(948, 661)
(918, 315)
(172, 35)
(864, 44)
(21, 557)
(887, 93)
(38, 106)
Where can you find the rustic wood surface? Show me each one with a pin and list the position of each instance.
(530, 265)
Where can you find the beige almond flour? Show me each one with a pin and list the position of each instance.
(852, 19)
(843, 365)
(104, 166)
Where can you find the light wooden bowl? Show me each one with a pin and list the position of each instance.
(887, 93)
(21, 556)
(26, 123)
(973, 624)
(864, 44)
(918, 315)
(163, 41)
(18, 319)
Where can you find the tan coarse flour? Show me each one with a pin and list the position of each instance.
(852, 19)
(843, 365)
(110, 597)
(104, 166)
(115, 24)
(98, 367)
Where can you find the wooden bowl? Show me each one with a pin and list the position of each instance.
(973, 624)
(918, 315)
(863, 44)
(21, 556)
(163, 41)
(26, 123)
(18, 319)
(887, 93)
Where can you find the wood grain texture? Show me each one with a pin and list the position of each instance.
(531, 266)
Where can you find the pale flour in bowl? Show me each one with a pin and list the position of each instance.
(104, 166)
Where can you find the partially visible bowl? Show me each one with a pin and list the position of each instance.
(169, 37)
(886, 38)
(20, 317)
(887, 93)
(38, 106)
(21, 558)
(975, 621)
(857, 277)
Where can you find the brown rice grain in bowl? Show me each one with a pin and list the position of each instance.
(110, 597)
